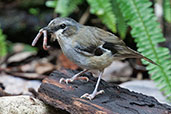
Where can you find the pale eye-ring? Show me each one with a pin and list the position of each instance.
(62, 26)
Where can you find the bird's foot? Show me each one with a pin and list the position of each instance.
(91, 96)
(68, 80)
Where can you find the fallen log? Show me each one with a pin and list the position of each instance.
(115, 100)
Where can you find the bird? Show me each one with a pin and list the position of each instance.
(89, 47)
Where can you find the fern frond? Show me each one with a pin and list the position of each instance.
(3, 47)
(103, 9)
(148, 34)
(167, 10)
(120, 22)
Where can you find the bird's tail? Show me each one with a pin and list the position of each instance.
(135, 54)
(149, 60)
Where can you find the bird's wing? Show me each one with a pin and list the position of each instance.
(89, 51)
(110, 41)
(87, 44)
(95, 41)
(105, 36)
(114, 43)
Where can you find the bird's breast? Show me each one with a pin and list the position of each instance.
(67, 47)
(87, 62)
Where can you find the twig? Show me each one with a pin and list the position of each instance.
(85, 16)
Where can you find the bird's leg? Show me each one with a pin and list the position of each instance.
(74, 77)
(95, 92)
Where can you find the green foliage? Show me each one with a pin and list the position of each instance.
(29, 48)
(34, 11)
(3, 48)
(103, 9)
(167, 10)
(64, 7)
(121, 24)
(51, 4)
(148, 34)
(11, 47)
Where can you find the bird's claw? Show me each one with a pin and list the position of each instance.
(91, 96)
(67, 80)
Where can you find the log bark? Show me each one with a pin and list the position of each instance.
(115, 100)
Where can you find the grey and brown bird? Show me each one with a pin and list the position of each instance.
(89, 47)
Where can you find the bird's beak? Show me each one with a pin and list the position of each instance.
(49, 30)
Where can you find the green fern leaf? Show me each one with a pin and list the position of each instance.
(103, 9)
(120, 22)
(148, 34)
(167, 10)
(3, 49)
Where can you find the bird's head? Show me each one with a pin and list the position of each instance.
(60, 26)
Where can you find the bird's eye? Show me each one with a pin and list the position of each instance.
(62, 26)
